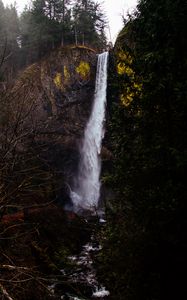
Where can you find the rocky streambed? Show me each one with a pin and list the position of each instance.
(80, 278)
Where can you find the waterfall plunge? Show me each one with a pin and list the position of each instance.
(86, 192)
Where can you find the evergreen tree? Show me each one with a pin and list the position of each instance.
(89, 23)
(2, 12)
(45, 26)
(12, 27)
(2, 32)
(66, 22)
(9, 34)
(48, 24)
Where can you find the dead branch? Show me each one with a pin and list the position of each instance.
(5, 293)
(10, 227)
(46, 204)
(11, 268)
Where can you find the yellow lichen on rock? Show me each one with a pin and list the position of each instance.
(124, 63)
(124, 69)
(138, 86)
(58, 80)
(131, 86)
(125, 56)
(66, 74)
(126, 99)
(121, 68)
(83, 69)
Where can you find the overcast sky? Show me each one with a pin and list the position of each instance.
(114, 9)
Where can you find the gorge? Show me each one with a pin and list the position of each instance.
(56, 171)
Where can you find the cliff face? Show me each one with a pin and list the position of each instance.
(60, 88)
(55, 98)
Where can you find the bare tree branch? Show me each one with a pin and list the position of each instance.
(5, 293)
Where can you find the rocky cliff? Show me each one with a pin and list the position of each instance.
(54, 98)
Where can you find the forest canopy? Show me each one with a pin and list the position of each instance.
(45, 25)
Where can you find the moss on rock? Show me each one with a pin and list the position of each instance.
(83, 70)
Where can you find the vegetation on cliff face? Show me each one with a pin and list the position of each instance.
(83, 70)
(145, 242)
(130, 87)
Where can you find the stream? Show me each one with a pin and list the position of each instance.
(81, 281)
(86, 274)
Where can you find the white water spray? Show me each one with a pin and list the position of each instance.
(86, 192)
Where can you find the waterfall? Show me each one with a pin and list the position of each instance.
(86, 191)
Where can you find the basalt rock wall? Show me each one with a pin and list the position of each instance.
(55, 96)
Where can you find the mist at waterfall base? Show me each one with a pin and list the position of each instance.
(85, 192)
